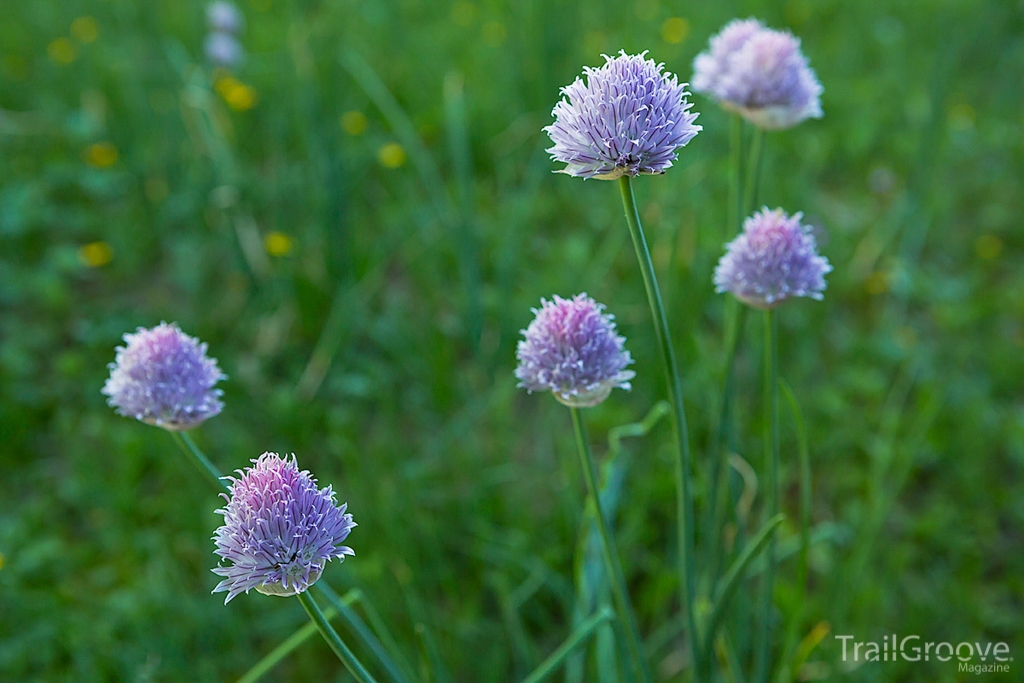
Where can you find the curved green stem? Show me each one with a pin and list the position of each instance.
(641, 669)
(771, 442)
(199, 459)
(353, 665)
(684, 495)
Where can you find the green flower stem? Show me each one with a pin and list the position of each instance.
(641, 669)
(735, 212)
(805, 484)
(771, 442)
(274, 657)
(684, 495)
(753, 184)
(735, 316)
(199, 459)
(789, 651)
(353, 665)
(575, 639)
(718, 494)
(361, 631)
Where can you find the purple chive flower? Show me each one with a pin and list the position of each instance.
(775, 258)
(572, 350)
(279, 530)
(224, 17)
(759, 73)
(628, 118)
(163, 377)
(223, 49)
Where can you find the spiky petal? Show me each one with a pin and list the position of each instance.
(162, 377)
(759, 73)
(279, 529)
(775, 258)
(572, 350)
(627, 118)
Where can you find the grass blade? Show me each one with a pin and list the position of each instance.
(732, 579)
(577, 638)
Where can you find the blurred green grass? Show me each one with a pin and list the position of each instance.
(910, 372)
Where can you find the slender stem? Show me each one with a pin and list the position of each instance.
(718, 498)
(735, 315)
(274, 657)
(805, 483)
(753, 173)
(360, 630)
(199, 459)
(353, 665)
(641, 670)
(796, 621)
(684, 495)
(735, 212)
(771, 442)
(575, 639)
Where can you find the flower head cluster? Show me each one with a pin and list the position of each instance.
(627, 118)
(279, 530)
(163, 377)
(221, 46)
(572, 350)
(775, 258)
(759, 73)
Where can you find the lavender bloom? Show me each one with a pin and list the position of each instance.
(628, 118)
(773, 259)
(223, 49)
(163, 377)
(224, 17)
(279, 530)
(572, 350)
(760, 74)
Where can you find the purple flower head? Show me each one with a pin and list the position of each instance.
(279, 530)
(223, 49)
(572, 350)
(163, 377)
(224, 17)
(759, 73)
(628, 118)
(773, 259)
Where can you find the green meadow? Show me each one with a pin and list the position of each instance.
(358, 220)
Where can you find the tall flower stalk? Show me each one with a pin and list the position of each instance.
(762, 77)
(630, 118)
(771, 450)
(773, 260)
(641, 669)
(684, 494)
(571, 349)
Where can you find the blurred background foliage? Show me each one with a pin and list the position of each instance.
(358, 220)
